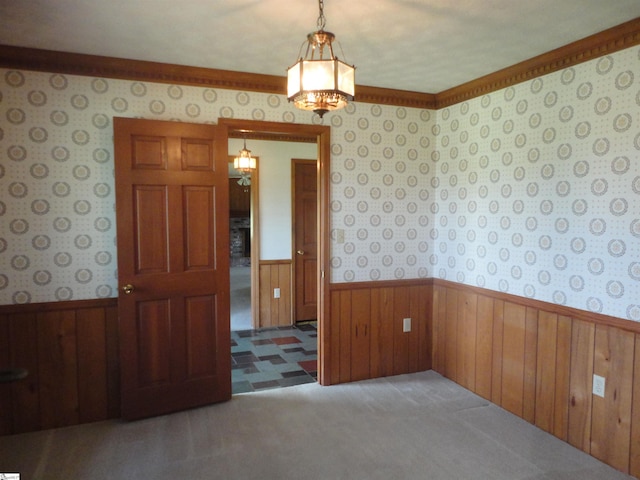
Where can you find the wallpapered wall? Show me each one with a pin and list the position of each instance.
(539, 188)
(533, 190)
(57, 217)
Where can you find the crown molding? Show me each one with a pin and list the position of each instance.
(399, 98)
(604, 43)
(23, 58)
(110, 67)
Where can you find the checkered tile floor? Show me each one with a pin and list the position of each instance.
(274, 357)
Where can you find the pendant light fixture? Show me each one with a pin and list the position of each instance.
(319, 81)
(245, 164)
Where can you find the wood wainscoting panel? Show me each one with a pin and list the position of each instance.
(70, 350)
(58, 367)
(274, 312)
(438, 318)
(563, 372)
(93, 399)
(5, 361)
(634, 462)
(467, 335)
(546, 371)
(530, 359)
(484, 347)
(24, 414)
(451, 335)
(537, 361)
(421, 308)
(344, 343)
(366, 329)
(497, 357)
(513, 350)
(400, 339)
(580, 403)
(611, 415)
(360, 334)
(382, 308)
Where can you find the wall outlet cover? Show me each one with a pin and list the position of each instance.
(406, 324)
(598, 385)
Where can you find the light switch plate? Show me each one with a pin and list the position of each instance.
(598, 385)
(276, 293)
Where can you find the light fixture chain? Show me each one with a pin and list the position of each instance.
(321, 19)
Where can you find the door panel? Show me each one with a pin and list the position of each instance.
(154, 338)
(305, 239)
(199, 213)
(200, 336)
(174, 322)
(151, 237)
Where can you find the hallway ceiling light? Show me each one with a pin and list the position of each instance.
(321, 83)
(245, 164)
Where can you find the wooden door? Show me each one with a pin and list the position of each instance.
(173, 249)
(305, 241)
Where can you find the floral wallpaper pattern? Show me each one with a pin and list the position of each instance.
(533, 190)
(57, 204)
(538, 188)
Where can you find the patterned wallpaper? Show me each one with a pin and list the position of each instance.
(57, 216)
(533, 190)
(539, 188)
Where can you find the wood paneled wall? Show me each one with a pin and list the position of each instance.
(366, 334)
(71, 352)
(534, 359)
(537, 361)
(275, 312)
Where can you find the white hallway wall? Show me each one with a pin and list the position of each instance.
(275, 191)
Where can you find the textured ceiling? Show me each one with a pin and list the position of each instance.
(418, 45)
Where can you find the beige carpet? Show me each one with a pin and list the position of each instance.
(418, 426)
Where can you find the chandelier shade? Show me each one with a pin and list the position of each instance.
(319, 81)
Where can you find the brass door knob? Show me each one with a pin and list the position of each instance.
(300, 252)
(127, 289)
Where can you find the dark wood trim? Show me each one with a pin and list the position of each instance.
(604, 43)
(274, 137)
(380, 284)
(275, 262)
(597, 318)
(399, 98)
(57, 306)
(109, 67)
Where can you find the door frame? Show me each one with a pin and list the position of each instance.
(321, 134)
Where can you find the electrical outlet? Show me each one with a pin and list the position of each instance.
(406, 324)
(340, 235)
(598, 385)
(276, 293)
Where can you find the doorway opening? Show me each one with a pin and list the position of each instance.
(276, 351)
(243, 213)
